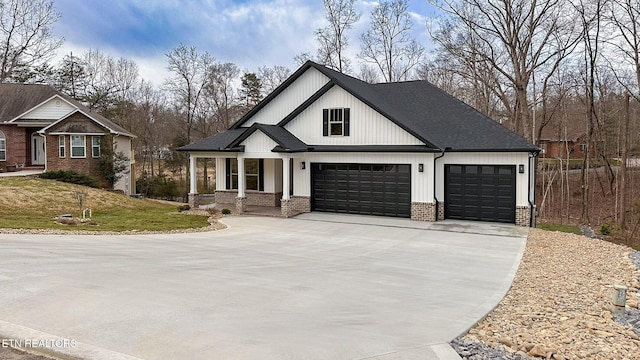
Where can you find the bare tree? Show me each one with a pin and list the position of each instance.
(518, 37)
(190, 70)
(388, 45)
(341, 15)
(626, 19)
(26, 38)
(368, 74)
(272, 77)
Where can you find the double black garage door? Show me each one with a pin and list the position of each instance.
(480, 192)
(472, 192)
(369, 189)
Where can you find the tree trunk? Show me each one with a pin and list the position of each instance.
(623, 166)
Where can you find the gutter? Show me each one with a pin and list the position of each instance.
(435, 198)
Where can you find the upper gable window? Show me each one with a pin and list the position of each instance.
(335, 122)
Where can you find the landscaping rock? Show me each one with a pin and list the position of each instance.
(558, 305)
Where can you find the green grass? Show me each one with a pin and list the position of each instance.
(34, 204)
(558, 227)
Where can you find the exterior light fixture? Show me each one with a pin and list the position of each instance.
(420, 167)
(302, 165)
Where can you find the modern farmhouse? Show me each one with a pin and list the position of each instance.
(325, 141)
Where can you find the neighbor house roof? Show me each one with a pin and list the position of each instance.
(17, 99)
(436, 118)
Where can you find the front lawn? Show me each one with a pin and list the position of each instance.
(30, 203)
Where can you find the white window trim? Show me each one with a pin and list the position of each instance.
(3, 146)
(62, 146)
(93, 146)
(84, 147)
(332, 121)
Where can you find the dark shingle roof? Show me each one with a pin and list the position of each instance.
(218, 142)
(436, 118)
(286, 141)
(432, 115)
(16, 99)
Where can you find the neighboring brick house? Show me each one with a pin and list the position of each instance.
(42, 128)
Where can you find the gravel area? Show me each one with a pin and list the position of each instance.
(558, 306)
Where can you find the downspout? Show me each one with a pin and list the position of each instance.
(435, 197)
(532, 210)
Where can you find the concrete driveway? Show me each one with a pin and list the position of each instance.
(319, 286)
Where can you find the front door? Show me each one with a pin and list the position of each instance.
(37, 149)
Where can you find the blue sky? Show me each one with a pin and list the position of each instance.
(250, 33)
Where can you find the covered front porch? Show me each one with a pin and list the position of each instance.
(252, 183)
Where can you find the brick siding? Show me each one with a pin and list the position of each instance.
(18, 140)
(423, 211)
(87, 165)
(523, 215)
(253, 198)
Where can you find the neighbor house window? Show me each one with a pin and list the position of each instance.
(335, 122)
(252, 172)
(78, 146)
(3, 147)
(95, 146)
(62, 146)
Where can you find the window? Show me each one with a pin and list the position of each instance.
(251, 174)
(3, 147)
(95, 146)
(335, 122)
(61, 146)
(78, 145)
(252, 171)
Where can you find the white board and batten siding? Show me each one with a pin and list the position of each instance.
(421, 182)
(367, 126)
(491, 158)
(53, 109)
(289, 99)
(258, 145)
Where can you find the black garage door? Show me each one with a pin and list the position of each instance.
(369, 189)
(480, 192)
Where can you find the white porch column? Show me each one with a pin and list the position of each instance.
(286, 170)
(241, 177)
(192, 175)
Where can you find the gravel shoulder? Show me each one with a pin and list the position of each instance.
(558, 305)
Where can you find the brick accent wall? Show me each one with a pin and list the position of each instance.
(295, 205)
(523, 215)
(226, 196)
(253, 198)
(422, 211)
(18, 141)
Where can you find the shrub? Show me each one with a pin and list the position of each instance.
(157, 186)
(73, 177)
(605, 229)
(226, 211)
(182, 208)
